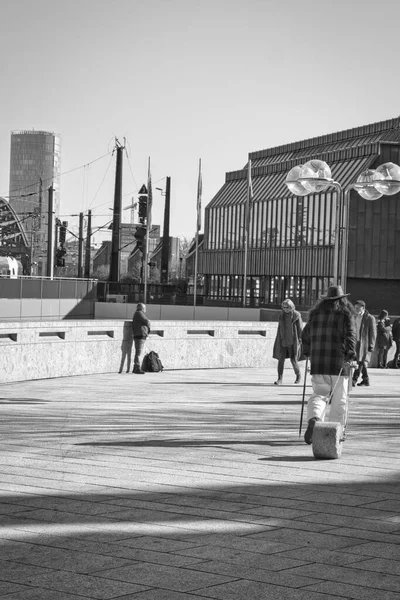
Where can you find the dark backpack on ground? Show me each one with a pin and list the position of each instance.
(152, 363)
(391, 365)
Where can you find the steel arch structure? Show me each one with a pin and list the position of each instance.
(13, 238)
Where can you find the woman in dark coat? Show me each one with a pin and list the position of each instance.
(288, 340)
(384, 339)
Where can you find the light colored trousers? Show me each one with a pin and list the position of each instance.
(317, 402)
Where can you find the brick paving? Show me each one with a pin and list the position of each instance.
(192, 485)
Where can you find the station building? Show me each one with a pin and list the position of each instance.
(291, 242)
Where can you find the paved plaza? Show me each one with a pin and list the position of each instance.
(188, 485)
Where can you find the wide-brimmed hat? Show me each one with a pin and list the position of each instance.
(335, 292)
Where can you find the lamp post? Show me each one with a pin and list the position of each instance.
(165, 238)
(315, 176)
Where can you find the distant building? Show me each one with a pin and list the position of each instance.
(70, 258)
(127, 244)
(135, 258)
(291, 243)
(102, 258)
(191, 266)
(35, 163)
(191, 256)
(173, 257)
(130, 255)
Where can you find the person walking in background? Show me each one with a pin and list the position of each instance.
(141, 329)
(329, 340)
(396, 338)
(384, 339)
(366, 337)
(288, 340)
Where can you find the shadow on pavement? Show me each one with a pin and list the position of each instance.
(189, 443)
(23, 401)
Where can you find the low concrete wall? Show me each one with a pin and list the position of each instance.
(168, 312)
(13, 309)
(40, 350)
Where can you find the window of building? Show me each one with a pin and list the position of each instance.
(331, 219)
(239, 224)
(234, 238)
(273, 224)
(254, 222)
(228, 217)
(278, 222)
(289, 224)
(261, 206)
(316, 225)
(213, 228)
(224, 228)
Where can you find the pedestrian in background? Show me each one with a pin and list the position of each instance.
(288, 340)
(329, 340)
(141, 329)
(366, 337)
(384, 338)
(396, 338)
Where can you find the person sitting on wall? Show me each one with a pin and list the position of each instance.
(288, 340)
(141, 329)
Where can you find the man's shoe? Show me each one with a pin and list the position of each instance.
(298, 378)
(354, 382)
(364, 382)
(138, 372)
(309, 431)
(278, 381)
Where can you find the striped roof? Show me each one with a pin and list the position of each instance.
(348, 153)
(384, 131)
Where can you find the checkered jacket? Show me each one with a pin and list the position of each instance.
(329, 339)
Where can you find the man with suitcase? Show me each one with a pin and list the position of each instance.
(329, 340)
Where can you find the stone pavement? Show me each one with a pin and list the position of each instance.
(187, 485)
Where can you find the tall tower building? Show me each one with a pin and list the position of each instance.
(35, 163)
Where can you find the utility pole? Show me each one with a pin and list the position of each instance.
(88, 236)
(116, 224)
(55, 242)
(39, 236)
(32, 242)
(40, 195)
(80, 245)
(165, 242)
(50, 245)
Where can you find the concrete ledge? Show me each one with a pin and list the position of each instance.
(45, 349)
(41, 350)
(175, 312)
(13, 309)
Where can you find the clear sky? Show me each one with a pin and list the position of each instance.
(188, 79)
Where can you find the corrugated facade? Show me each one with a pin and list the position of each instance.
(291, 239)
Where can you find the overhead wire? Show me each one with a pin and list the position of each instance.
(101, 183)
(133, 177)
(52, 178)
(12, 193)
